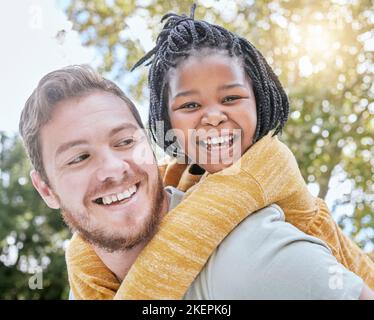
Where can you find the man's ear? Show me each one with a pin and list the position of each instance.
(45, 192)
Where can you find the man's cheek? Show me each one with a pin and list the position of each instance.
(71, 191)
(142, 155)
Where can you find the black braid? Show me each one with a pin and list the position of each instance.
(182, 35)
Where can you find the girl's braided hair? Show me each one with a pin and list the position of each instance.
(179, 38)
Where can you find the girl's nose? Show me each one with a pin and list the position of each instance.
(213, 117)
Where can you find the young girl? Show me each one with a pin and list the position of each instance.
(204, 77)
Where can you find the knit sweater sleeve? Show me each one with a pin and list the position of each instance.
(281, 181)
(89, 277)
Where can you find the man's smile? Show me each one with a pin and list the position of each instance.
(121, 202)
(117, 197)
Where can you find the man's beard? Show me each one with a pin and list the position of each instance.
(117, 242)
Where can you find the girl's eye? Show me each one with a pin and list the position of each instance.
(78, 159)
(190, 106)
(230, 99)
(126, 142)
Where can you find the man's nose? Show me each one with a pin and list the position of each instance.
(213, 116)
(112, 166)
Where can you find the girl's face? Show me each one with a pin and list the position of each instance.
(212, 109)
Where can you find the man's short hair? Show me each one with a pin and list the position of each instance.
(69, 82)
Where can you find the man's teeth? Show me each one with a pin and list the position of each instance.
(217, 141)
(119, 196)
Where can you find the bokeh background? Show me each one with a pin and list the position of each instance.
(321, 50)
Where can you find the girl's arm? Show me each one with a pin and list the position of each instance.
(89, 278)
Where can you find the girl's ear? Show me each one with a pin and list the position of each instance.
(45, 192)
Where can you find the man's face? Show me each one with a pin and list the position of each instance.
(102, 171)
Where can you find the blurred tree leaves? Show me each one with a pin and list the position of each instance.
(31, 235)
(316, 48)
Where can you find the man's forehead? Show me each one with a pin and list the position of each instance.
(98, 114)
(91, 103)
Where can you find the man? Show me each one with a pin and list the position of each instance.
(93, 161)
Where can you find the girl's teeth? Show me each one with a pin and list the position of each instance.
(217, 140)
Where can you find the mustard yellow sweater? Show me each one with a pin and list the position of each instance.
(267, 173)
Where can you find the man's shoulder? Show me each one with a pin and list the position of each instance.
(265, 227)
(265, 257)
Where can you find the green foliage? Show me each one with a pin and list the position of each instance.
(31, 235)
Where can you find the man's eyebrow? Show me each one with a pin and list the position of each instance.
(65, 146)
(185, 93)
(121, 127)
(230, 86)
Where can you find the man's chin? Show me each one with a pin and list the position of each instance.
(108, 239)
(111, 243)
(124, 238)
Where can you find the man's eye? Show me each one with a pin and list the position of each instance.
(230, 99)
(190, 106)
(78, 159)
(125, 142)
